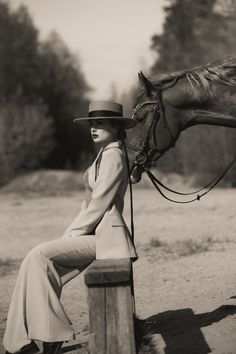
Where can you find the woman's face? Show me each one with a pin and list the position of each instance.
(103, 131)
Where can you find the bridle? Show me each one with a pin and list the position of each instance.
(145, 152)
(142, 152)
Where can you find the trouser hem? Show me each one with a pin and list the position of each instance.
(54, 339)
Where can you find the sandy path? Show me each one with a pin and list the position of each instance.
(188, 302)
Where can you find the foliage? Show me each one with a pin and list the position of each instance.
(46, 183)
(25, 137)
(45, 80)
(156, 248)
(8, 266)
(19, 54)
(64, 90)
(189, 30)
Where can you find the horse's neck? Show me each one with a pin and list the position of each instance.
(210, 118)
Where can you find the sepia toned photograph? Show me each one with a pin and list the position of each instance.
(117, 176)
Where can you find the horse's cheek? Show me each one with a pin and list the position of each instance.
(172, 96)
(177, 96)
(168, 129)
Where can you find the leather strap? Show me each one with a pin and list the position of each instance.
(209, 186)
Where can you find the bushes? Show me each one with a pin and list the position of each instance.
(33, 71)
(26, 138)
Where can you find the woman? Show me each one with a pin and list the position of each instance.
(99, 231)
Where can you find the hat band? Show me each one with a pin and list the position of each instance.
(104, 113)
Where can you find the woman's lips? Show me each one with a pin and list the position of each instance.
(95, 136)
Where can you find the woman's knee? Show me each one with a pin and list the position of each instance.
(32, 256)
(48, 249)
(37, 251)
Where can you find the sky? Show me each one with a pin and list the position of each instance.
(112, 38)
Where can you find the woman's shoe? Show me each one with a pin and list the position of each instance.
(52, 348)
(30, 348)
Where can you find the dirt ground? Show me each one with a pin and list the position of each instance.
(185, 277)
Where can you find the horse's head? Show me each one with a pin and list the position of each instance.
(171, 103)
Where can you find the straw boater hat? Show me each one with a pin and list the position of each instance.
(106, 110)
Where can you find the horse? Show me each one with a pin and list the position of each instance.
(168, 104)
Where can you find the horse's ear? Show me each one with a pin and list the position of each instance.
(147, 85)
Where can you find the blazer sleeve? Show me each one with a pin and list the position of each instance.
(105, 188)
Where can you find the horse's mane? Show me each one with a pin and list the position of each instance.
(222, 71)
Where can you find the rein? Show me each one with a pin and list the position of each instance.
(143, 161)
(210, 186)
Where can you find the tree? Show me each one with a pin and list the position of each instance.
(19, 54)
(25, 138)
(42, 74)
(64, 90)
(189, 30)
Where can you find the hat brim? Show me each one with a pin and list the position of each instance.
(127, 123)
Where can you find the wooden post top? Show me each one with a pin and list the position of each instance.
(108, 271)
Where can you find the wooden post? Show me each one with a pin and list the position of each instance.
(111, 307)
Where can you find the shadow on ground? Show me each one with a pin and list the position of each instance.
(77, 348)
(180, 330)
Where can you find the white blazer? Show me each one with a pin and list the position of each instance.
(101, 213)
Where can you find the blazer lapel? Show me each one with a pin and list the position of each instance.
(93, 170)
(97, 163)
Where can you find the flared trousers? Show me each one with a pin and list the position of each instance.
(36, 312)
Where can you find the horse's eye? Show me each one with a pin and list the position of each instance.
(141, 115)
(141, 119)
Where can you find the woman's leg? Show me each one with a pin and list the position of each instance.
(36, 311)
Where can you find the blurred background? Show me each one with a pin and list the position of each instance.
(58, 55)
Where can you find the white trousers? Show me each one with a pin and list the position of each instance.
(36, 312)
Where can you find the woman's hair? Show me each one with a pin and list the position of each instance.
(121, 133)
